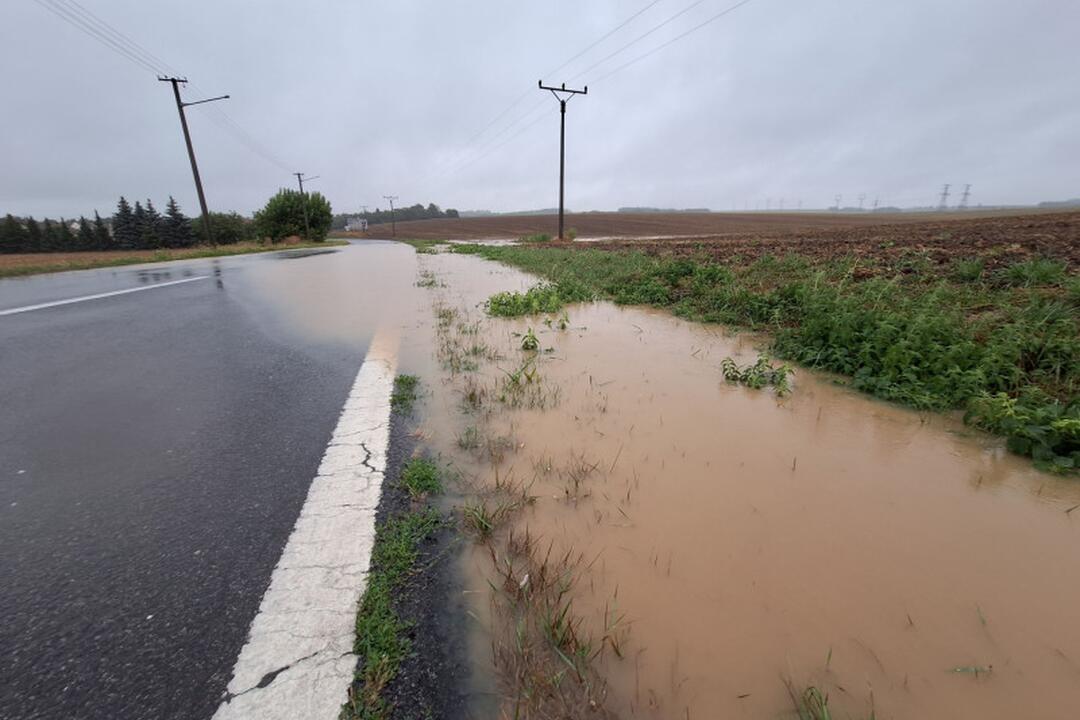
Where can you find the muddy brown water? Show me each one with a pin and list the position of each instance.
(875, 552)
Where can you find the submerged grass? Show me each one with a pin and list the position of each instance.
(1004, 348)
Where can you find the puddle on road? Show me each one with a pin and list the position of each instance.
(876, 553)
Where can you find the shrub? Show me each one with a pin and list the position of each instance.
(283, 216)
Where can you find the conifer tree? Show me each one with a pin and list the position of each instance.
(12, 235)
(65, 239)
(48, 236)
(139, 216)
(152, 227)
(178, 232)
(125, 232)
(86, 235)
(102, 239)
(33, 236)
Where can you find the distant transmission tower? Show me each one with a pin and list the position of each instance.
(964, 198)
(839, 199)
(944, 204)
(875, 202)
(862, 199)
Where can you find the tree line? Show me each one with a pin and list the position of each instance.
(142, 227)
(401, 214)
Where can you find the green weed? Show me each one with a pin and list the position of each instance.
(758, 375)
(536, 238)
(530, 341)
(420, 478)
(535, 300)
(404, 395)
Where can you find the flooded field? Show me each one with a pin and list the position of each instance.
(722, 544)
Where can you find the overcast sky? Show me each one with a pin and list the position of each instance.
(798, 100)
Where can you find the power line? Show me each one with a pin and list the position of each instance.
(74, 20)
(606, 75)
(604, 37)
(517, 101)
(639, 38)
(98, 29)
(673, 40)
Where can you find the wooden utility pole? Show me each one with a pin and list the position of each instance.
(180, 105)
(562, 136)
(393, 223)
(303, 202)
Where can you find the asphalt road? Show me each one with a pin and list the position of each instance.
(155, 450)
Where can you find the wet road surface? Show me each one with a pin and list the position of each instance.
(155, 449)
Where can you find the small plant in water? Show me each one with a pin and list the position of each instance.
(758, 375)
(530, 341)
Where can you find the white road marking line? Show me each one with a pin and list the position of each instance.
(298, 661)
(98, 296)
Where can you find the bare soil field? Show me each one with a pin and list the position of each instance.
(1000, 241)
(609, 225)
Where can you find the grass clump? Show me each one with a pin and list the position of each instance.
(535, 238)
(421, 478)
(381, 635)
(403, 397)
(535, 300)
(968, 270)
(1033, 273)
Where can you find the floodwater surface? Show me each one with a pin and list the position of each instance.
(898, 561)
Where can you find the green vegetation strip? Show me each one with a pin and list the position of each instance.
(403, 396)
(1002, 346)
(382, 640)
(118, 258)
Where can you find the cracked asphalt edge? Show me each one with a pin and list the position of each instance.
(298, 661)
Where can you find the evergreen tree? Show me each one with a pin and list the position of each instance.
(140, 226)
(151, 232)
(102, 239)
(125, 232)
(33, 236)
(86, 235)
(12, 235)
(178, 232)
(48, 236)
(65, 239)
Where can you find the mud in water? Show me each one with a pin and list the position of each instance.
(897, 561)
